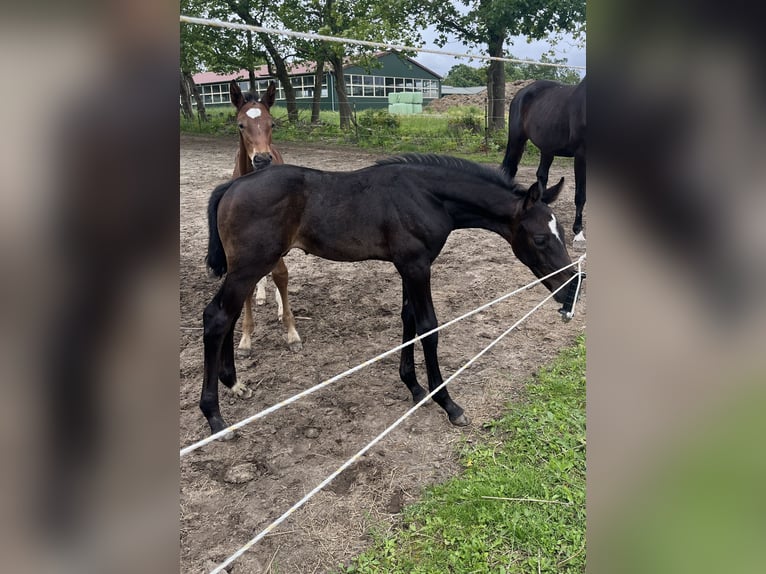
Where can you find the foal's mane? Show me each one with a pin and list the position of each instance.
(487, 173)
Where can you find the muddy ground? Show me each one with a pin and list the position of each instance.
(347, 312)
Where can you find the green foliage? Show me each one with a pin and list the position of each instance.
(514, 71)
(427, 132)
(469, 119)
(379, 120)
(533, 465)
(464, 76)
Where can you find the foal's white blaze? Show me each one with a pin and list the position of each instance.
(553, 227)
(253, 113)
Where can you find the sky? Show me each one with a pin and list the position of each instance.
(520, 48)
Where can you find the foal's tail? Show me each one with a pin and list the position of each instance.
(216, 257)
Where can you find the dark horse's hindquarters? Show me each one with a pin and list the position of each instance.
(552, 116)
(401, 210)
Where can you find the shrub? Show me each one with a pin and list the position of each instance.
(469, 119)
(378, 120)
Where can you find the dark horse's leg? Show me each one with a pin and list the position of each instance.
(542, 170)
(407, 360)
(417, 284)
(579, 168)
(514, 150)
(218, 323)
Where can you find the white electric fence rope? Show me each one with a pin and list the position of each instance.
(221, 567)
(387, 46)
(244, 422)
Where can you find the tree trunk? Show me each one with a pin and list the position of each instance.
(279, 62)
(340, 88)
(496, 84)
(186, 105)
(197, 97)
(317, 99)
(280, 67)
(251, 65)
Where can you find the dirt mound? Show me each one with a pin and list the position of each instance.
(479, 100)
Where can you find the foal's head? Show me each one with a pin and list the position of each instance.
(254, 122)
(538, 238)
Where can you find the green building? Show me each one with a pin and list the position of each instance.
(365, 88)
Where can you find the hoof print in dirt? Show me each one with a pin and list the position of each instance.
(241, 473)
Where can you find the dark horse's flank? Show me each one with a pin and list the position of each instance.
(401, 210)
(552, 116)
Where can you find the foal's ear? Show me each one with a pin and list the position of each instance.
(235, 94)
(270, 96)
(532, 197)
(552, 193)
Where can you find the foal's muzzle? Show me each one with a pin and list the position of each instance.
(261, 160)
(572, 293)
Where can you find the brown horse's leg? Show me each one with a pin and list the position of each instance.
(248, 327)
(280, 276)
(218, 323)
(260, 292)
(407, 358)
(417, 283)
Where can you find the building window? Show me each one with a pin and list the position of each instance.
(380, 86)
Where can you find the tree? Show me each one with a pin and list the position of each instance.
(492, 22)
(395, 21)
(515, 71)
(464, 76)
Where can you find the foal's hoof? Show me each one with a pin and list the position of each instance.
(240, 390)
(579, 242)
(230, 436)
(460, 420)
(244, 352)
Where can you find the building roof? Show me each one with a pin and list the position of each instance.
(298, 69)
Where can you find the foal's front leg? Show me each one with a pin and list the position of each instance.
(417, 284)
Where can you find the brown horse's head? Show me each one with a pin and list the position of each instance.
(255, 123)
(538, 238)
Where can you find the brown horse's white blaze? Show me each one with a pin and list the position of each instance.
(256, 152)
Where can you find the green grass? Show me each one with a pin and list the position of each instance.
(536, 451)
(459, 132)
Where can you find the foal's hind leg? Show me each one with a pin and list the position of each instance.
(248, 327)
(218, 319)
(280, 276)
(407, 358)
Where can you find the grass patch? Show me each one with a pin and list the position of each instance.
(536, 451)
(460, 132)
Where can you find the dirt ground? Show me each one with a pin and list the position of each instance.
(347, 313)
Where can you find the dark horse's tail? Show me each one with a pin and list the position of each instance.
(516, 136)
(216, 257)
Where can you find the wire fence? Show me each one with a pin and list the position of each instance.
(245, 547)
(251, 419)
